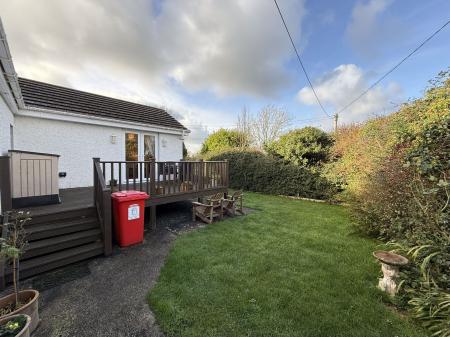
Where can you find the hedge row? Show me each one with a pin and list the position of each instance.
(395, 170)
(257, 172)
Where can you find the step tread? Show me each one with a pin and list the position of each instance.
(54, 216)
(96, 248)
(39, 214)
(34, 228)
(62, 238)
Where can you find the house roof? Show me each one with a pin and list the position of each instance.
(48, 96)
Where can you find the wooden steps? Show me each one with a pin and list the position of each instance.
(62, 258)
(53, 244)
(48, 230)
(58, 239)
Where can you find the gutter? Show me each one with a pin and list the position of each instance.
(121, 122)
(9, 84)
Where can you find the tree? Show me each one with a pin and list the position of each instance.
(185, 151)
(268, 125)
(244, 127)
(12, 247)
(308, 146)
(223, 139)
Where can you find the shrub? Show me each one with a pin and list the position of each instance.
(255, 171)
(395, 170)
(308, 146)
(222, 140)
(425, 284)
(12, 327)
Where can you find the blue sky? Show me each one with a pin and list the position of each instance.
(205, 60)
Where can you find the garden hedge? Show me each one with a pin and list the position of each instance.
(257, 172)
(395, 171)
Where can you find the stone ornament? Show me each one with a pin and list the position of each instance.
(390, 266)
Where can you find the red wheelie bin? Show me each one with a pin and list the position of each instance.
(128, 211)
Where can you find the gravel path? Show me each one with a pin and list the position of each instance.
(107, 296)
(111, 299)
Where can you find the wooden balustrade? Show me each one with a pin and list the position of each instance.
(4, 234)
(168, 180)
(102, 201)
(164, 178)
(5, 184)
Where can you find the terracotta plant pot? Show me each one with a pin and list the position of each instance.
(25, 332)
(31, 309)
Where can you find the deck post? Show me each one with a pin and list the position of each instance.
(227, 173)
(4, 234)
(152, 193)
(152, 174)
(107, 223)
(202, 175)
(225, 178)
(5, 184)
(95, 160)
(153, 217)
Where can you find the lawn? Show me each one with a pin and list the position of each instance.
(290, 268)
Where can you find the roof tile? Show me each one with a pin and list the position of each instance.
(49, 96)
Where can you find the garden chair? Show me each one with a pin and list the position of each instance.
(233, 204)
(214, 198)
(186, 186)
(207, 212)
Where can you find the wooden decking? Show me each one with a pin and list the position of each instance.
(71, 199)
(82, 197)
(81, 225)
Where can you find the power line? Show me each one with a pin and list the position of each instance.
(393, 68)
(299, 59)
(234, 124)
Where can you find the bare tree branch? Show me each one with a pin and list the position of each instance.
(268, 125)
(244, 126)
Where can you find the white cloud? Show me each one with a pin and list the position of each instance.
(327, 17)
(344, 83)
(132, 50)
(228, 47)
(371, 29)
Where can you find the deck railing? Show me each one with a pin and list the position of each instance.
(102, 202)
(4, 234)
(163, 178)
(172, 179)
(5, 184)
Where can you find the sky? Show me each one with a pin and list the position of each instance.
(205, 60)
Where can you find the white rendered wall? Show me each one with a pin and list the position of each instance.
(6, 119)
(78, 143)
(170, 147)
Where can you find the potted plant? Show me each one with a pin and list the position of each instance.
(15, 326)
(113, 184)
(12, 246)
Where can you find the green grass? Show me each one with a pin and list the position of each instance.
(291, 268)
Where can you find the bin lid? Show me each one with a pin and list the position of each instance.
(129, 195)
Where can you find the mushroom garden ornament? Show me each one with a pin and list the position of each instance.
(390, 266)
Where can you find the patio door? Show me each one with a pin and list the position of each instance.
(132, 154)
(139, 147)
(149, 152)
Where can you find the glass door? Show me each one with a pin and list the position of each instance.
(132, 154)
(149, 152)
